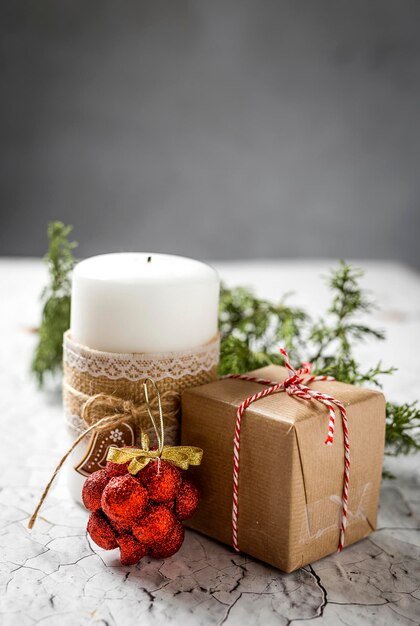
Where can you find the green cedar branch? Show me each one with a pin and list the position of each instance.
(252, 329)
(55, 320)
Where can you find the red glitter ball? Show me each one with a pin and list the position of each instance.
(124, 499)
(101, 532)
(187, 500)
(121, 528)
(162, 480)
(156, 525)
(131, 551)
(93, 488)
(117, 469)
(171, 544)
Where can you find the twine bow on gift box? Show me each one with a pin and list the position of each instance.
(123, 410)
(295, 385)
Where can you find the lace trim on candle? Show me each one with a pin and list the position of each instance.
(136, 366)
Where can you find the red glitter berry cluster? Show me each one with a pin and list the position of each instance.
(140, 514)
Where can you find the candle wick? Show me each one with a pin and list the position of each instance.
(149, 258)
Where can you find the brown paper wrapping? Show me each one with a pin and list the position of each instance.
(290, 482)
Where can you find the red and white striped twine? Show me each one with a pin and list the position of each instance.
(295, 385)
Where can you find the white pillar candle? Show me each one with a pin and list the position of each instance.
(143, 302)
(140, 303)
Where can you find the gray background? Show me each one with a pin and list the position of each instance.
(216, 129)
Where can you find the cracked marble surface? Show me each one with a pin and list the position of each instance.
(55, 575)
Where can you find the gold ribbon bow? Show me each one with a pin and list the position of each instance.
(181, 456)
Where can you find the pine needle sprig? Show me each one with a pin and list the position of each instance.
(56, 296)
(402, 428)
(251, 329)
(337, 332)
(347, 370)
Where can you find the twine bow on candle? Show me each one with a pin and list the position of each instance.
(295, 385)
(181, 456)
(122, 410)
(119, 410)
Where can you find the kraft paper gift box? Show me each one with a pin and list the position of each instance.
(290, 482)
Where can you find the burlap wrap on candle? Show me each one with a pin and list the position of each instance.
(89, 372)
